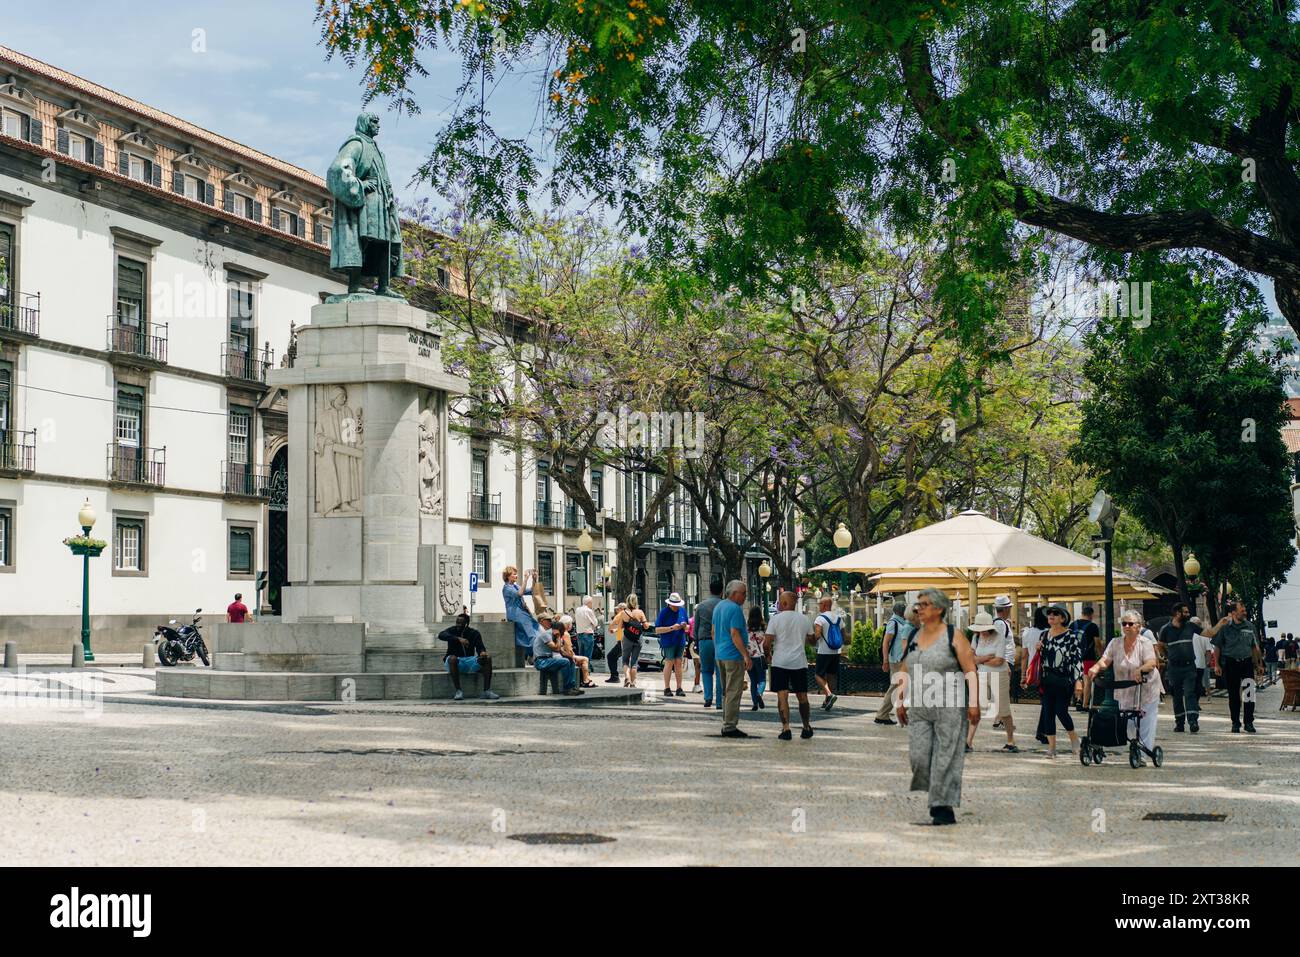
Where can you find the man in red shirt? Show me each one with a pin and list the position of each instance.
(237, 612)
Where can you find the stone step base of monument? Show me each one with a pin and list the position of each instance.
(214, 683)
(372, 661)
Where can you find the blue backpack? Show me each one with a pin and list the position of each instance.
(833, 636)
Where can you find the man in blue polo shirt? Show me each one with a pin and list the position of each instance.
(731, 649)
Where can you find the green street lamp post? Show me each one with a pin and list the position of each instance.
(87, 548)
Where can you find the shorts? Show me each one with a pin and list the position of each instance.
(789, 679)
(671, 652)
(1087, 665)
(631, 652)
(828, 665)
(466, 666)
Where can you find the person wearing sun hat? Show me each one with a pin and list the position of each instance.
(993, 652)
(670, 627)
(1061, 672)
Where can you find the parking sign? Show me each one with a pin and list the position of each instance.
(473, 581)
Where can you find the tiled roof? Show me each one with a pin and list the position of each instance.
(31, 65)
(1293, 407)
(1291, 438)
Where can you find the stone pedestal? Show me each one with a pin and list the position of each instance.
(367, 402)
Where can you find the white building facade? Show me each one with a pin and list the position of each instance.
(152, 273)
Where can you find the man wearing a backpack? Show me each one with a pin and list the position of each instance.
(829, 628)
(897, 630)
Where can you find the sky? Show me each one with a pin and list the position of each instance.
(263, 79)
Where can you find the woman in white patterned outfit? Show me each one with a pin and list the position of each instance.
(934, 706)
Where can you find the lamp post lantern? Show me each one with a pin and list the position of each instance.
(765, 572)
(1105, 514)
(87, 548)
(843, 538)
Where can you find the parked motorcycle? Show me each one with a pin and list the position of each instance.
(180, 644)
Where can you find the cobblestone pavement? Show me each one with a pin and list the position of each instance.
(152, 782)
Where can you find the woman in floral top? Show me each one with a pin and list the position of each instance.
(758, 670)
(1060, 677)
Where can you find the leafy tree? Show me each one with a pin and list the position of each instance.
(755, 138)
(1185, 431)
(555, 335)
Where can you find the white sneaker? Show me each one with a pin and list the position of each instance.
(458, 696)
(490, 695)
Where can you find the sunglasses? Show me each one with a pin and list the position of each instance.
(1129, 624)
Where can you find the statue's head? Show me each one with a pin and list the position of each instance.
(340, 398)
(368, 124)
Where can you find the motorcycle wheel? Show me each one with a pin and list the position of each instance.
(202, 650)
(165, 655)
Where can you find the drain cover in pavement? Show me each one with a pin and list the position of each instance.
(544, 837)
(1166, 816)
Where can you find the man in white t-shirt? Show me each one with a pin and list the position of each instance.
(1203, 650)
(785, 637)
(828, 658)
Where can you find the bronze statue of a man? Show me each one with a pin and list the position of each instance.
(367, 237)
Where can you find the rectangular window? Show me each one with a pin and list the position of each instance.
(544, 483)
(597, 571)
(481, 563)
(128, 545)
(478, 474)
(325, 233)
(138, 169)
(12, 124)
(130, 293)
(598, 488)
(6, 402)
(242, 319)
(7, 247)
(240, 444)
(77, 147)
(546, 570)
(241, 550)
(6, 537)
(129, 428)
(194, 188)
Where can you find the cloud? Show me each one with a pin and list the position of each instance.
(316, 76)
(295, 95)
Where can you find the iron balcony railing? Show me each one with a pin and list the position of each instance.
(571, 521)
(243, 478)
(144, 341)
(136, 465)
(17, 451)
(548, 516)
(248, 366)
(21, 312)
(485, 508)
(694, 537)
(669, 535)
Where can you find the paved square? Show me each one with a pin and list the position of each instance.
(162, 783)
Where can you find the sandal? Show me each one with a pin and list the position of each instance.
(589, 684)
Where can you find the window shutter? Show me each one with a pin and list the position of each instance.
(36, 132)
(257, 212)
(241, 550)
(155, 175)
(299, 226)
(61, 142)
(228, 200)
(99, 154)
(275, 217)
(209, 194)
(317, 234)
(123, 163)
(178, 182)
